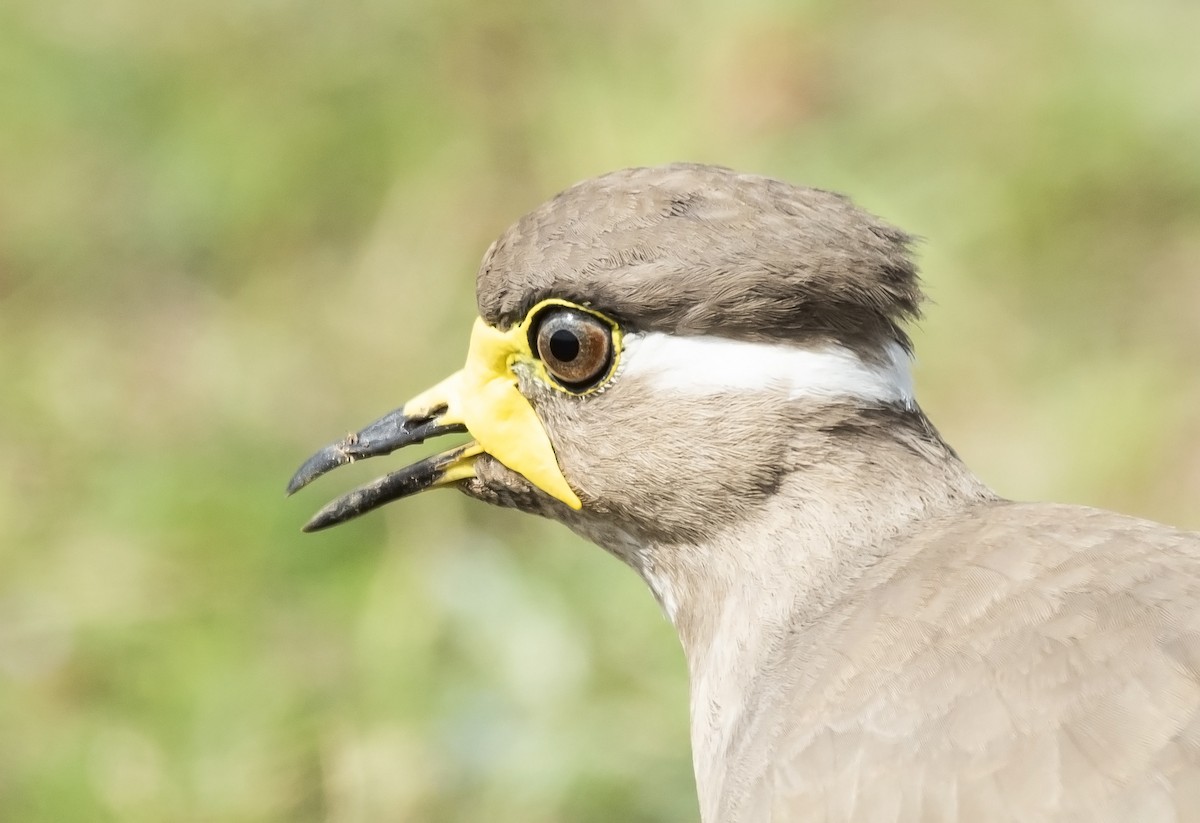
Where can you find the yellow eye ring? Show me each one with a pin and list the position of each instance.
(577, 349)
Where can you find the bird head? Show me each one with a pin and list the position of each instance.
(648, 345)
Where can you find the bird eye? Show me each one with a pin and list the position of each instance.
(575, 346)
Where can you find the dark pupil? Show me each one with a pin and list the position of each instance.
(564, 345)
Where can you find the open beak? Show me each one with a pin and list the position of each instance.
(483, 400)
(392, 431)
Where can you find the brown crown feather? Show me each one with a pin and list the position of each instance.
(692, 249)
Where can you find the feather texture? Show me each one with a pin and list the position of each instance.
(871, 634)
(1019, 662)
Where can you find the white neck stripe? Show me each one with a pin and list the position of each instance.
(710, 365)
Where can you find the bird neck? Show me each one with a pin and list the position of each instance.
(855, 485)
(854, 490)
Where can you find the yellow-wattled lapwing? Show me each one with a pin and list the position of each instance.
(707, 374)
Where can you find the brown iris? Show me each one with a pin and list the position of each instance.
(575, 346)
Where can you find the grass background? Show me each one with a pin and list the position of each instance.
(231, 230)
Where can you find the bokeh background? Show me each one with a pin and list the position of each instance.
(232, 230)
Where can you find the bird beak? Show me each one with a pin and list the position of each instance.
(483, 400)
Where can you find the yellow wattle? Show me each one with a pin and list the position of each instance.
(483, 396)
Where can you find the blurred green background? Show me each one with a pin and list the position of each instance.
(232, 230)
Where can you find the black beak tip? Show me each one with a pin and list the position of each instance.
(390, 432)
(345, 508)
(410, 480)
(326, 460)
(316, 524)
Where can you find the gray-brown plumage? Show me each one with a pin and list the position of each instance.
(871, 633)
(694, 249)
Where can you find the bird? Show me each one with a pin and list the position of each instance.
(707, 374)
